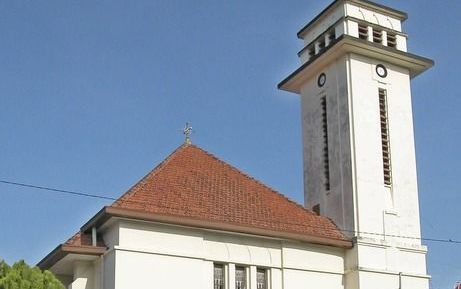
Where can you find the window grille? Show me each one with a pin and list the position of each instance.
(311, 50)
(326, 157)
(218, 276)
(322, 44)
(377, 36)
(261, 279)
(391, 40)
(385, 137)
(363, 32)
(240, 278)
(331, 35)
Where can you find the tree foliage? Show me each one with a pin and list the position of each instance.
(21, 276)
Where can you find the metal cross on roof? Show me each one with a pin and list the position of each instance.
(187, 131)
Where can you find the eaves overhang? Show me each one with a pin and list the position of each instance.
(111, 212)
(63, 250)
(347, 44)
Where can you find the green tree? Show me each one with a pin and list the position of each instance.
(22, 276)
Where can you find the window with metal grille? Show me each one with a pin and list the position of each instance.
(311, 50)
(331, 35)
(218, 276)
(261, 279)
(385, 143)
(391, 40)
(322, 43)
(363, 31)
(377, 35)
(240, 278)
(326, 157)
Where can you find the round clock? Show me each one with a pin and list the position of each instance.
(381, 70)
(321, 80)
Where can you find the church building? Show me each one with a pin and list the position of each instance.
(197, 222)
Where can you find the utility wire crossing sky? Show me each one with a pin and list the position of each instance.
(88, 195)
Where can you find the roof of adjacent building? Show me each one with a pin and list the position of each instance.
(194, 188)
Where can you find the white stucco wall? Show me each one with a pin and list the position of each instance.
(358, 200)
(374, 199)
(142, 270)
(108, 278)
(337, 203)
(84, 275)
(164, 256)
(373, 17)
(325, 23)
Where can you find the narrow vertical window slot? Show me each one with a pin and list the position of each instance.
(240, 278)
(385, 137)
(326, 157)
(261, 279)
(331, 35)
(391, 40)
(311, 50)
(218, 276)
(377, 36)
(363, 32)
(322, 44)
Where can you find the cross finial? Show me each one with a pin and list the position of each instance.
(187, 131)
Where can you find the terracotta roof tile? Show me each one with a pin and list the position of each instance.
(83, 240)
(192, 183)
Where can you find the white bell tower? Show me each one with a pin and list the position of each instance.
(358, 142)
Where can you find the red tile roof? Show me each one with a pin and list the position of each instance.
(79, 244)
(192, 183)
(198, 189)
(83, 240)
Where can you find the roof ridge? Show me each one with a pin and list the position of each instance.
(255, 180)
(158, 168)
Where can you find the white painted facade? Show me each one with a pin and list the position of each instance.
(145, 255)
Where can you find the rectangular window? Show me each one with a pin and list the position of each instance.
(218, 276)
(261, 279)
(363, 32)
(322, 44)
(240, 278)
(326, 157)
(331, 35)
(391, 40)
(385, 143)
(311, 50)
(377, 36)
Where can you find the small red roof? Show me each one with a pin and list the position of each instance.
(83, 240)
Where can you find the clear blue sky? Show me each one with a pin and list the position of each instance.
(93, 95)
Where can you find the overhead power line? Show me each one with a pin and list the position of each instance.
(57, 190)
(103, 197)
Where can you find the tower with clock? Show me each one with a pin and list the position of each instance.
(358, 142)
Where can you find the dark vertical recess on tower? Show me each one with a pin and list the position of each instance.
(326, 157)
(385, 143)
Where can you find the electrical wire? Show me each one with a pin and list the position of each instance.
(103, 197)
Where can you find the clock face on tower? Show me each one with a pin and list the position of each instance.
(381, 70)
